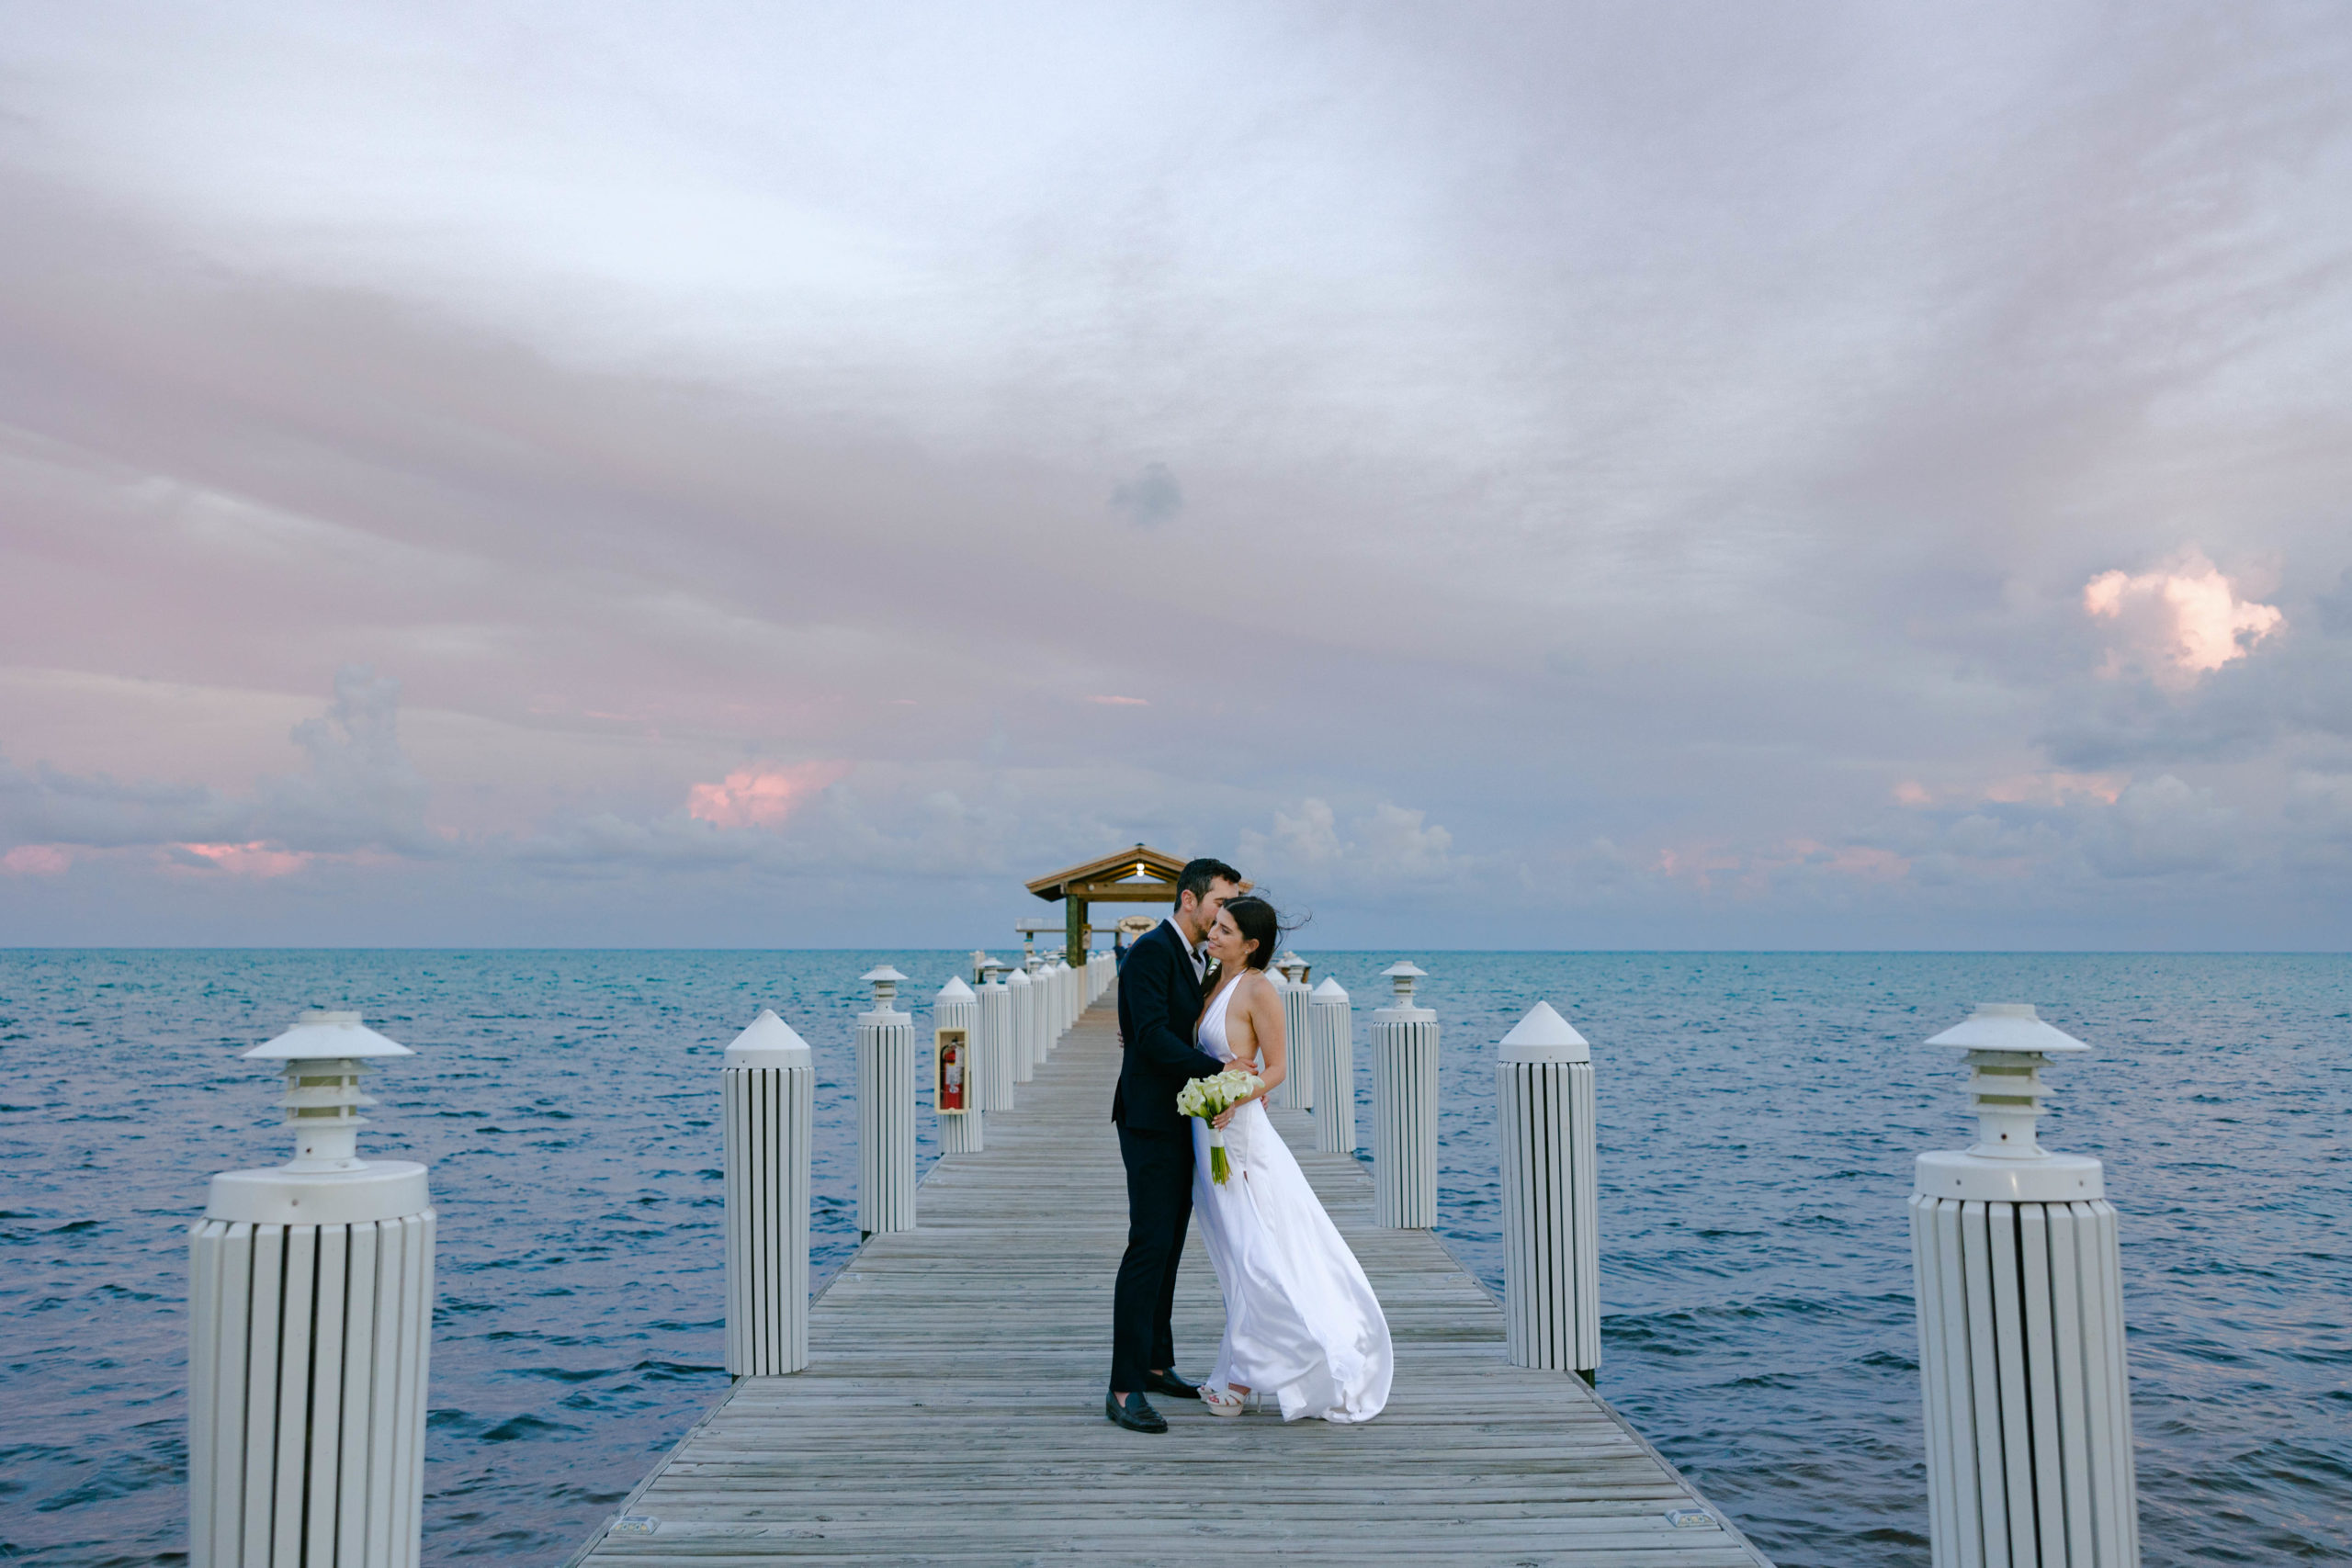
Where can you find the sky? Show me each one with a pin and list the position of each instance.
(1683, 476)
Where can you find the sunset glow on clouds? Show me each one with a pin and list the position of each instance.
(1520, 478)
(762, 797)
(248, 860)
(2182, 620)
(36, 860)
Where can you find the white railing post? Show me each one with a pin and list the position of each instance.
(2020, 1299)
(1023, 1013)
(1404, 1108)
(886, 1109)
(1296, 1091)
(960, 1132)
(1331, 1031)
(1551, 1197)
(310, 1315)
(1040, 1014)
(768, 1109)
(996, 1038)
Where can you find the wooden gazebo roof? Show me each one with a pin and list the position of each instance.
(1140, 875)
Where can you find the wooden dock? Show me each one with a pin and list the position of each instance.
(952, 1411)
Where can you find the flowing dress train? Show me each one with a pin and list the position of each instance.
(1302, 1326)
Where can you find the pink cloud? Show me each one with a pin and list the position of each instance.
(760, 796)
(2183, 620)
(255, 859)
(2052, 789)
(36, 860)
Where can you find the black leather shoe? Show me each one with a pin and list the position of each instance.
(1170, 1385)
(1136, 1415)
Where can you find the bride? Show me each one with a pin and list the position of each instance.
(1302, 1326)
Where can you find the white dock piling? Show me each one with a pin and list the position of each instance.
(1066, 992)
(1297, 1088)
(1331, 1034)
(767, 1106)
(1049, 1018)
(886, 1109)
(996, 1038)
(2020, 1301)
(1403, 1107)
(1544, 1100)
(1023, 1013)
(960, 1132)
(310, 1312)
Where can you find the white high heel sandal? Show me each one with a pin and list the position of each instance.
(1223, 1401)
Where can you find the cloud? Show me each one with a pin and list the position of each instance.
(760, 796)
(359, 793)
(1151, 498)
(1308, 837)
(1664, 440)
(2161, 826)
(1389, 847)
(2179, 622)
(38, 860)
(255, 859)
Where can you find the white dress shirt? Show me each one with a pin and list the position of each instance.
(1200, 964)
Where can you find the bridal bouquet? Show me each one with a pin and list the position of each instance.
(1211, 1097)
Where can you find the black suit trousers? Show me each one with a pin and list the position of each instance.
(1160, 1211)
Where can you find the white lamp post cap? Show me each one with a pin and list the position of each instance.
(955, 990)
(2007, 1026)
(1545, 1036)
(322, 1036)
(882, 974)
(768, 1042)
(1330, 990)
(1400, 977)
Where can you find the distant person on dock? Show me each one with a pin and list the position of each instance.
(1302, 1326)
(1160, 1004)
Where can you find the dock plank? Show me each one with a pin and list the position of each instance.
(951, 1411)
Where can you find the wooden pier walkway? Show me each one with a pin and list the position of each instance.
(951, 1411)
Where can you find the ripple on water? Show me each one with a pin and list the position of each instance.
(1760, 1113)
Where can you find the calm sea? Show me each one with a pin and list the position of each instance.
(1759, 1115)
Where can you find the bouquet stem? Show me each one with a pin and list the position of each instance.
(1218, 1167)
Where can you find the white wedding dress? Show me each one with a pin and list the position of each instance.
(1302, 1326)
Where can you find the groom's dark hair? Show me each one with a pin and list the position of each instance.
(1197, 877)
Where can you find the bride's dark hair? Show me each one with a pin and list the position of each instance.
(1256, 920)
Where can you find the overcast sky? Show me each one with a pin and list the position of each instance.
(1715, 476)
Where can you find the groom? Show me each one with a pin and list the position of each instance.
(1159, 1002)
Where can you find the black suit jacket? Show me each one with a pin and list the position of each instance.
(1159, 1003)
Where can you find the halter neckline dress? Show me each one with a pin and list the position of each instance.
(1302, 1326)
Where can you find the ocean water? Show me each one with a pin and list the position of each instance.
(1758, 1116)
